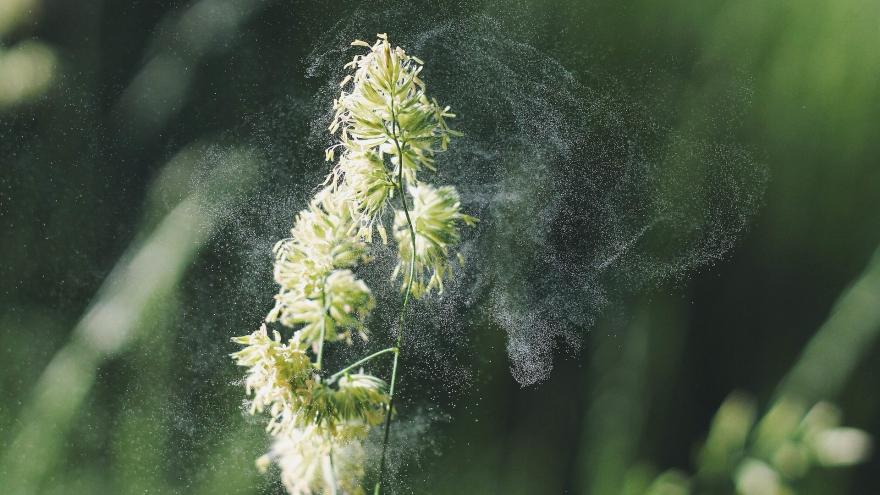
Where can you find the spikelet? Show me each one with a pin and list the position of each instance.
(389, 132)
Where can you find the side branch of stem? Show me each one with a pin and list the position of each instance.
(359, 362)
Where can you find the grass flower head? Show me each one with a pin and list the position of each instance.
(389, 132)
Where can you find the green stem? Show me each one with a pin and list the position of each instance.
(409, 281)
(359, 362)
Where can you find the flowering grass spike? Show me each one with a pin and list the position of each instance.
(388, 133)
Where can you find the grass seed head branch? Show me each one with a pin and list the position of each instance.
(388, 133)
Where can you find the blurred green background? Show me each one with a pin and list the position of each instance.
(115, 249)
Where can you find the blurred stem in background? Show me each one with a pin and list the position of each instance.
(142, 423)
(142, 282)
(615, 417)
(183, 39)
(841, 342)
(140, 292)
(789, 82)
(767, 456)
(626, 373)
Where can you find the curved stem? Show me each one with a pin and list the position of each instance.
(401, 189)
(359, 362)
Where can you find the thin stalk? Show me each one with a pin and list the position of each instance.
(401, 189)
(359, 362)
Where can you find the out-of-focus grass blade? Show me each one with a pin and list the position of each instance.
(840, 343)
(141, 432)
(625, 373)
(147, 273)
(615, 416)
(182, 40)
